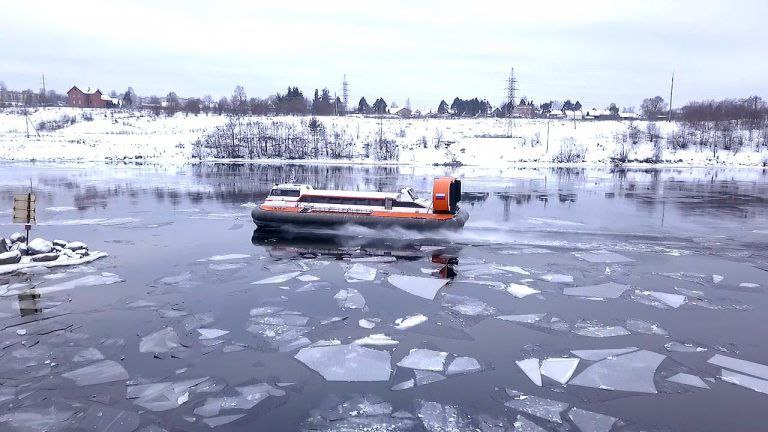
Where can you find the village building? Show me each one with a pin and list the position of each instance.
(90, 97)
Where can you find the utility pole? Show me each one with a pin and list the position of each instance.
(345, 93)
(511, 88)
(671, 87)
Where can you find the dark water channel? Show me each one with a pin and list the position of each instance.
(685, 251)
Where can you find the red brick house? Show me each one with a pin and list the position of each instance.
(88, 97)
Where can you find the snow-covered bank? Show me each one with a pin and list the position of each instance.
(97, 135)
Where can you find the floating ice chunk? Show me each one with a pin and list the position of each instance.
(225, 257)
(403, 385)
(463, 365)
(522, 424)
(211, 333)
(366, 324)
(540, 407)
(716, 279)
(512, 269)
(525, 318)
(531, 369)
(606, 290)
(359, 273)
(427, 377)
(98, 373)
(374, 259)
(162, 396)
(30, 419)
(467, 305)
(163, 340)
(749, 285)
(107, 419)
(423, 287)
(756, 384)
(226, 266)
(171, 313)
(104, 278)
(645, 327)
(307, 278)
(683, 347)
(601, 331)
(442, 418)
(559, 369)
(424, 359)
(376, 340)
(347, 362)
(88, 354)
(266, 310)
(557, 278)
(175, 279)
(671, 300)
(627, 372)
(222, 420)
(521, 291)
(277, 279)
(411, 321)
(197, 320)
(588, 421)
(603, 256)
(350, 299)
(247, 398)
(314, 286)
(688, 379)
(744, 366)
(599, 354)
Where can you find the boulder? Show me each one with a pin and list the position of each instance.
(3, 245)
(12, 257)
(18, 237)
(39, 246)
(53, 256)
(76, 246)
(69, 254)
(21, 247)
(60, 243)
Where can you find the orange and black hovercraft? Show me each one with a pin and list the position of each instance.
(299, 204)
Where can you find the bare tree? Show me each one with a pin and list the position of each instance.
(438, 137)
(653, 107)
(239, 101)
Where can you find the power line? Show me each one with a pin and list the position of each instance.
(345, 93)
(511, 88)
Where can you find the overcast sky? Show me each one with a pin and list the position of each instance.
(597, 52)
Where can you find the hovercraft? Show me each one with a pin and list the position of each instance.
(300, 204)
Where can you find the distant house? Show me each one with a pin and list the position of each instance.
(401, 112)
(629, 116)
(597, 114)
(87, 97)
(524, 111)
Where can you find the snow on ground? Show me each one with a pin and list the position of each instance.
(118, 135)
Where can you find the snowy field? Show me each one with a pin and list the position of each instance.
(98, 135)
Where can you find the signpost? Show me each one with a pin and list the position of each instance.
(24, 211)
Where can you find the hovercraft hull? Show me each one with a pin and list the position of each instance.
(278, 219)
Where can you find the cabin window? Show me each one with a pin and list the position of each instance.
(285, 192)
(388, 203)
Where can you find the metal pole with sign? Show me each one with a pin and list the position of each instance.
(24, 207)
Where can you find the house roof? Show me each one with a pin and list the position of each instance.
(85, 89)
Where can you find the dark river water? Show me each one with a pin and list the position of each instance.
(684, 250)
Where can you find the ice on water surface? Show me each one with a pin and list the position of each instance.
(161, 341)
(467, 305)
(667, 299)
(531, 369)
(603, 256)
(102, 418)
(512, 269)
(463, 365)
(424, 287)
(424, 359)
(222, 420)
(744, 366)
(557, 278)
(676, 346)
(277, 279)
(645, 327)
(88, 354)
(559, 369)
(347, 362)
(589, 421)
(427, 377)
(247, 398)
(520, 291)
(522, 424)
(366, 324)
(98, 373)
(162, 396)
(606, 290)
(756, 384)
(599, 354)
(537, 406)
(226, 257)
(410, 321)
(211, 333)
(524, 318)
(360, 273)
(688, 379)
(350, 299)
(376, 340)
(627, 372)
(599, 330)
(104, 278)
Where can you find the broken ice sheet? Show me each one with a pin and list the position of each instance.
(277, 279)
(225, 257)
(376, 340)
(350, 299)
(599, 331)
(756, 384)
(667, 299)
(427, 377)
(559, 369)
(645, 327)
(222, 420)
(162, 396)
(540, 407)
(467, 305)
(588, 421)
(463, 365)
(520, 291)
(423, 287)
(557, 278)
(104, 278)
(606, 290)
(525, 318)
(627, 372)
(522, 424)
(688, 379)
(248, 397)
(424, 359)
(512, 269)
(347, 362)
(360, 413)
(226, 266)
(161, 341)
(744, 366)
(602, 256)
(442, 418)
(98, 373)
(683, 347)
(531, 369)
(410, 321)
(210, 333)
(360, 273)
(176, 279)
(36, 419)
(88, 354)
(599, 354)
(107, 419)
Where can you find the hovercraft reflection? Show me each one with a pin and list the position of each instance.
(300, 204)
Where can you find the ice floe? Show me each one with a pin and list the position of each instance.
(606, 290)
(666, 299)
(627, 372)
(599, 354)
(162, 396)
(683, 347)
(163, 340)
(645, 327)
(246, 398)
(378, 339)
(523, 318)
(104, 278)
(225, 257)
(539, 407)
(603, 256)
(347, 362)
(588, 421)
(463, 365)
(410, 321)
(98, 373)
(350, 299)
(277, 279)
(599, 331)
(744, 366)
(467, 305)
(211, 333)
(688, 379)
(756, 384)
(360, 273)
(512, 269)
(531, 369)
(520, 291)
(559, 369)
(366, 324)
(423, 287)
(557, 278)
(424, 359)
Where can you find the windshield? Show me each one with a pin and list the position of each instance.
(285, 192)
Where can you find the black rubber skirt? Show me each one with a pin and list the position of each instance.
(277, 220)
